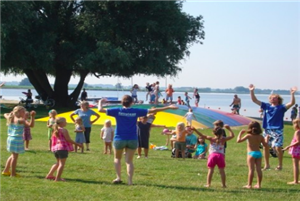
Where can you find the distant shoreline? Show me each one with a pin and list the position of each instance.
(179, 89)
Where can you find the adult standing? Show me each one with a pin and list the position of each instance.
(236, 104)
(273, 123)
(83, 95)
(85, 114)
(197, 97)
(126, 132)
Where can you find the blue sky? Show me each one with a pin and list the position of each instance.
(245, 42)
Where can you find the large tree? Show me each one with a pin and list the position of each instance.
(77, 38)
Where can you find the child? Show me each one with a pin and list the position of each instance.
(189, 117)
(254, 140)
(201, 149)
(50, 123)
(294, 150)
(79, 130)
(15, 145)
(216, 153)
(180, 143)
(107, 134)
(220, 123)
(133, 92)
(26, 132)
(179, 102)
(149, 90)
(197, 97)
(144, 134)
(187, 99)
(61, 145)
(169, 93)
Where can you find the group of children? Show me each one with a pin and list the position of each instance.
(60, 143)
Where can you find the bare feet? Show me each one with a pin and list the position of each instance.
(293, 183)
(278, 168)
(207, 185)
(224, 186)
(247, 186)
(257, 186)
(266, 168)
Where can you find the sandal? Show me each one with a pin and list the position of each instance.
(6, 173)
(117, 181)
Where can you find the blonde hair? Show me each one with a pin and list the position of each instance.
(52, 112)
(296, 124)
(180, 127)
(14, 113)
(84, 103)
(80, 123)
(58, 121)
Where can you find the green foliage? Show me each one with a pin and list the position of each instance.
(160, 177)
(121, 38)
(25, 82)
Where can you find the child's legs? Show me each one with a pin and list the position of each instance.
(223, 176)
(14, 161)
(8, 164)
(296, 162)
(167, 140)
(50, 143)
(209, 176)
(182, 148)
(109, 147)
(53, 169)
(266, 151)
(76, 148)
(251, 166)
(129, 164)
(60, 169)
(26, 144)
(259, 172)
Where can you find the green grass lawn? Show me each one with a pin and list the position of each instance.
(89, 176)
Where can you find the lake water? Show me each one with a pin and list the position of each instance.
(217, 101)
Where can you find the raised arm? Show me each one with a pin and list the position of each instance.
(252, 95)
(292, 102)
(240, 138)
(153, 110)
(100, 106)
(31, 123)
(231, 134)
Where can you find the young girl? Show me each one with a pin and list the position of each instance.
(79, 129)
(133, 92)
(61, 145)
(201, 149)
(254, 156)
(294, 150)
(144, 128)
(197, 97)
(216, 153)
(107, 134)
(180, 143)
(187, 99)
(50, 123)
(15, 145)
(26, 132)
(189, 117)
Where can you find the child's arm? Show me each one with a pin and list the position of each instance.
(31, 123)
(240, 138)
(200, 134)
(68, 139)
(101, 134)
(170, 133)
(231, 136)
(80, 129)
(292, 102)
(297, 133)
(6, 115)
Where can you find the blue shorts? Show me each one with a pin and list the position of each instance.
(275, 137)
(255, 154)
(130, 144)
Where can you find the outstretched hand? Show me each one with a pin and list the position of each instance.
(294, 89)
(251, 87)
(173, 107)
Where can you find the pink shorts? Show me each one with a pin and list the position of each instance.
(296, 157)
(216, 159)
